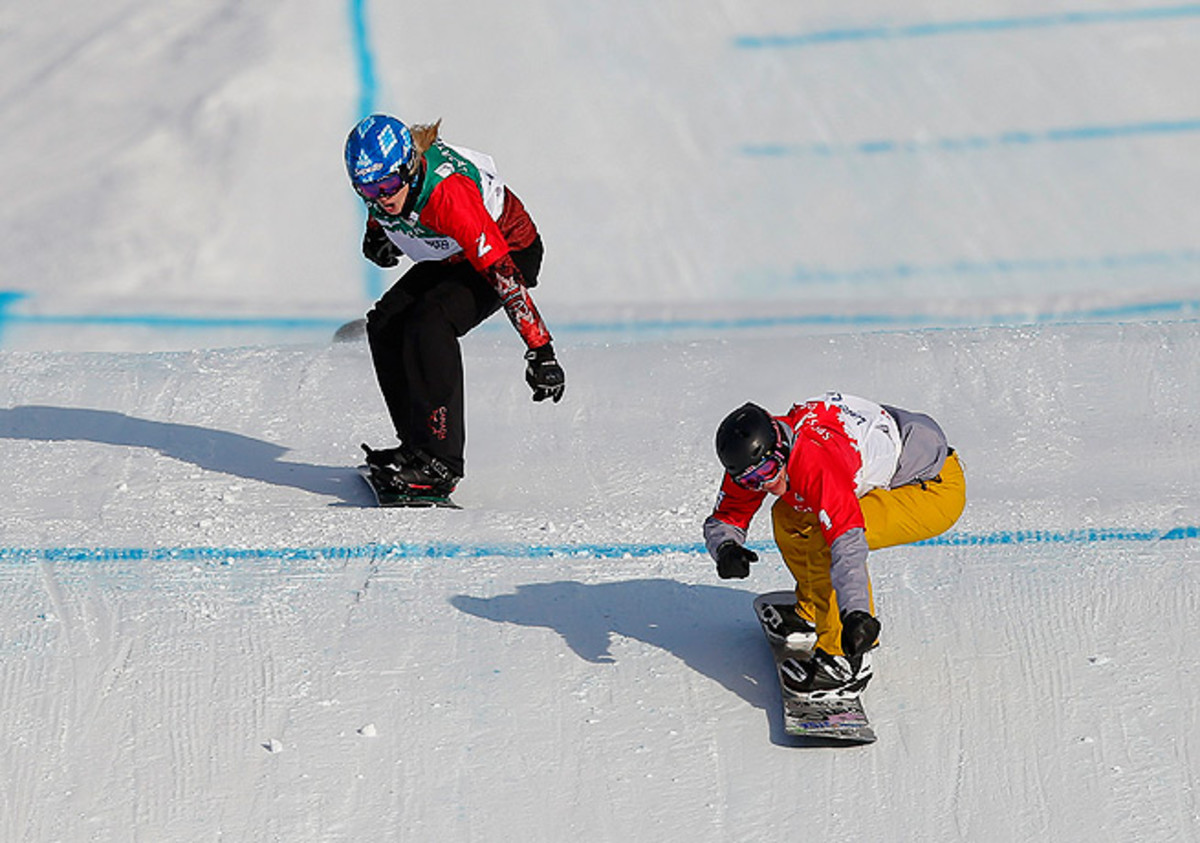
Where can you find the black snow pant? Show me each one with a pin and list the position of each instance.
(413, 331)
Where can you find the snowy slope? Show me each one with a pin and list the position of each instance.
(205, 631)
(174, 174)
(559, 659)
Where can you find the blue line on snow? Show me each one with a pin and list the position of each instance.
(1185, 309)
(7, 298)
(1008, 266)
(450, 550)
(965, 27)
(167, 320)
(367, 92)
(1014, 138)
(364, 58)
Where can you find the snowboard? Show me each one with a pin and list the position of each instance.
(386, 495)
(840, 720)
(351, 331)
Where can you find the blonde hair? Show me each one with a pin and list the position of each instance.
(424, 136)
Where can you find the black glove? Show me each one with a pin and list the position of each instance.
(543, 374)
(733, 560)
(860, 631)
(378, 249)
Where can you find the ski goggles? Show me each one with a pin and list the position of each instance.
(762, 472)
(767, 468)
(387, 186)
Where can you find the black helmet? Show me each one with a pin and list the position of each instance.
(748, 436)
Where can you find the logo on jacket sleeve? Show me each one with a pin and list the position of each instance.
(483, 244)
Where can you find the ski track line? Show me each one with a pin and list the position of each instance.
(980, 26)
(368, 88)
(972, 143)
(1185, 310)
(452, 550)
(1163, 259)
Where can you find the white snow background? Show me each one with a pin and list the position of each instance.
(206, 633)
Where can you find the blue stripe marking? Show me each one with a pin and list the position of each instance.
(454, 550)
(1007, 139)
(167, 320)
(364, 59)
(1004, 266)
(7, 298)
(965, 27)
(1186, 310)
(1180, 309)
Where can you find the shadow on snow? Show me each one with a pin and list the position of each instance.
(213, 450)
(711, 629)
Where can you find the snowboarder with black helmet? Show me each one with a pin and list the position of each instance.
(850, 476)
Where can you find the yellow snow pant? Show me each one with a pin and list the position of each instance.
(907, 514)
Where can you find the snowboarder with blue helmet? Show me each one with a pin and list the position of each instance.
(475, 250)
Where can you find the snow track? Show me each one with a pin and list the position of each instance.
(306, 682)
(206, 633)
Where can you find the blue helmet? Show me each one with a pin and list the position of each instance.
(378, 147)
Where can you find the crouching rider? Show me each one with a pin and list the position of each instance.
(850, 476)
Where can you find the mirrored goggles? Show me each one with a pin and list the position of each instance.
(763, 472)
(385, 187)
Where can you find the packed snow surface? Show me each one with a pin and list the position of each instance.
(208, 633)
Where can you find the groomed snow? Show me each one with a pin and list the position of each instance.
(206, 632)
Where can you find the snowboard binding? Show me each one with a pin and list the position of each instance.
(402, 476)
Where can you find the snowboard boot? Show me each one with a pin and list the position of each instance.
(826, 677)
(408, 477)
(391, 458)
(784, 626)
(426, 475)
